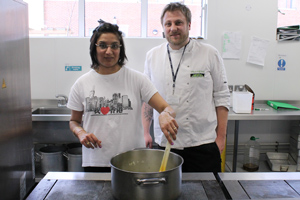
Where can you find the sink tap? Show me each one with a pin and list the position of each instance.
(62, 102)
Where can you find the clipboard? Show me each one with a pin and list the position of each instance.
(278, 105)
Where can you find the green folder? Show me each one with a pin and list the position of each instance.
(276, 105)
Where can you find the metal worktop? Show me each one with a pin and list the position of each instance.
(272, 185)
(260, 176)
(266, 113)
(47, 103)
(107, 176)
(81, 185)
(270, 114)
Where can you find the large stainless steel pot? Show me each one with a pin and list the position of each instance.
(74, 156)
(134, 175)
(52, 159)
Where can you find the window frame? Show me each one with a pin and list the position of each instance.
(144, 19)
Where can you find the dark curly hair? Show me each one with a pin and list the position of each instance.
(105, 27)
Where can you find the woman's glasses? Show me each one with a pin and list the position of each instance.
(104, 46)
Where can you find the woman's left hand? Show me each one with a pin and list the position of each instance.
(168, 126)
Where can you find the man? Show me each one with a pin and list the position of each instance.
(192, 78)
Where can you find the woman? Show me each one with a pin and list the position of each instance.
(108, 99)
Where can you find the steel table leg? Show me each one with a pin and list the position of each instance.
(235, 146)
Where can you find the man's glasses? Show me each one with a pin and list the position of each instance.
(104, 46)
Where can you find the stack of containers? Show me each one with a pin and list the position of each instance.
(295, 144)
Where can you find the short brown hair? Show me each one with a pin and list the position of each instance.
(177, 6)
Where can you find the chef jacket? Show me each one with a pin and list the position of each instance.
(200, 86)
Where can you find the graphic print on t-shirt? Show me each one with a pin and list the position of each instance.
(118, 104)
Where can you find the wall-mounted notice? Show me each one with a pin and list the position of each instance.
(73, 68)
(281, 64)
(232, 42)
(258, 51)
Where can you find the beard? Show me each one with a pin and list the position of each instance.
(177, 40)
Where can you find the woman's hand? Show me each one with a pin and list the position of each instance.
(168, 126)
(89, 140)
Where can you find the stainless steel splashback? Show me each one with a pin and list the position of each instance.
(16, 146)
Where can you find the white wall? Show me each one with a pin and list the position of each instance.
(259, 21)
(48, 56)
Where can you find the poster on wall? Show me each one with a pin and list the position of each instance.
(232, 44)
(258, 51)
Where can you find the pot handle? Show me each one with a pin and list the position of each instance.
(152, 181)
(65, 155)
(38, 154)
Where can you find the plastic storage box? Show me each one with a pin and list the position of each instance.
(242, 102)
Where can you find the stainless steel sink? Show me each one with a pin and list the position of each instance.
(52, 111)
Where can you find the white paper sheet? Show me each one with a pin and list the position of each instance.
(258, 51)
(232, 42)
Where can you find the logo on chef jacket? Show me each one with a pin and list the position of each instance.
(281, 65)
(197, 74)
(101, 106)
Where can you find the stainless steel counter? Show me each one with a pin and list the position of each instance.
(272, 185)
(270, 114)
(260, 176)
(81, 185)
(267, 113)
(47, 103)
(107, 176)
(51, 117)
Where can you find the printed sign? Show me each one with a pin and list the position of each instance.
(73, 68)
(281, 62)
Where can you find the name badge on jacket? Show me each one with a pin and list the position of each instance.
(197, 74)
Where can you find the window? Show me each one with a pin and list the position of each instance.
(53, 18)
(78, 18)
(288, 13)
(154, 11)
(126, 14)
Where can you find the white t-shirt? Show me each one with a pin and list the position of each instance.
(112, 111)
(201, 86)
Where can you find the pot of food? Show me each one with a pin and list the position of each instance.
(135, 175)
(52, 158)
(74, 156)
